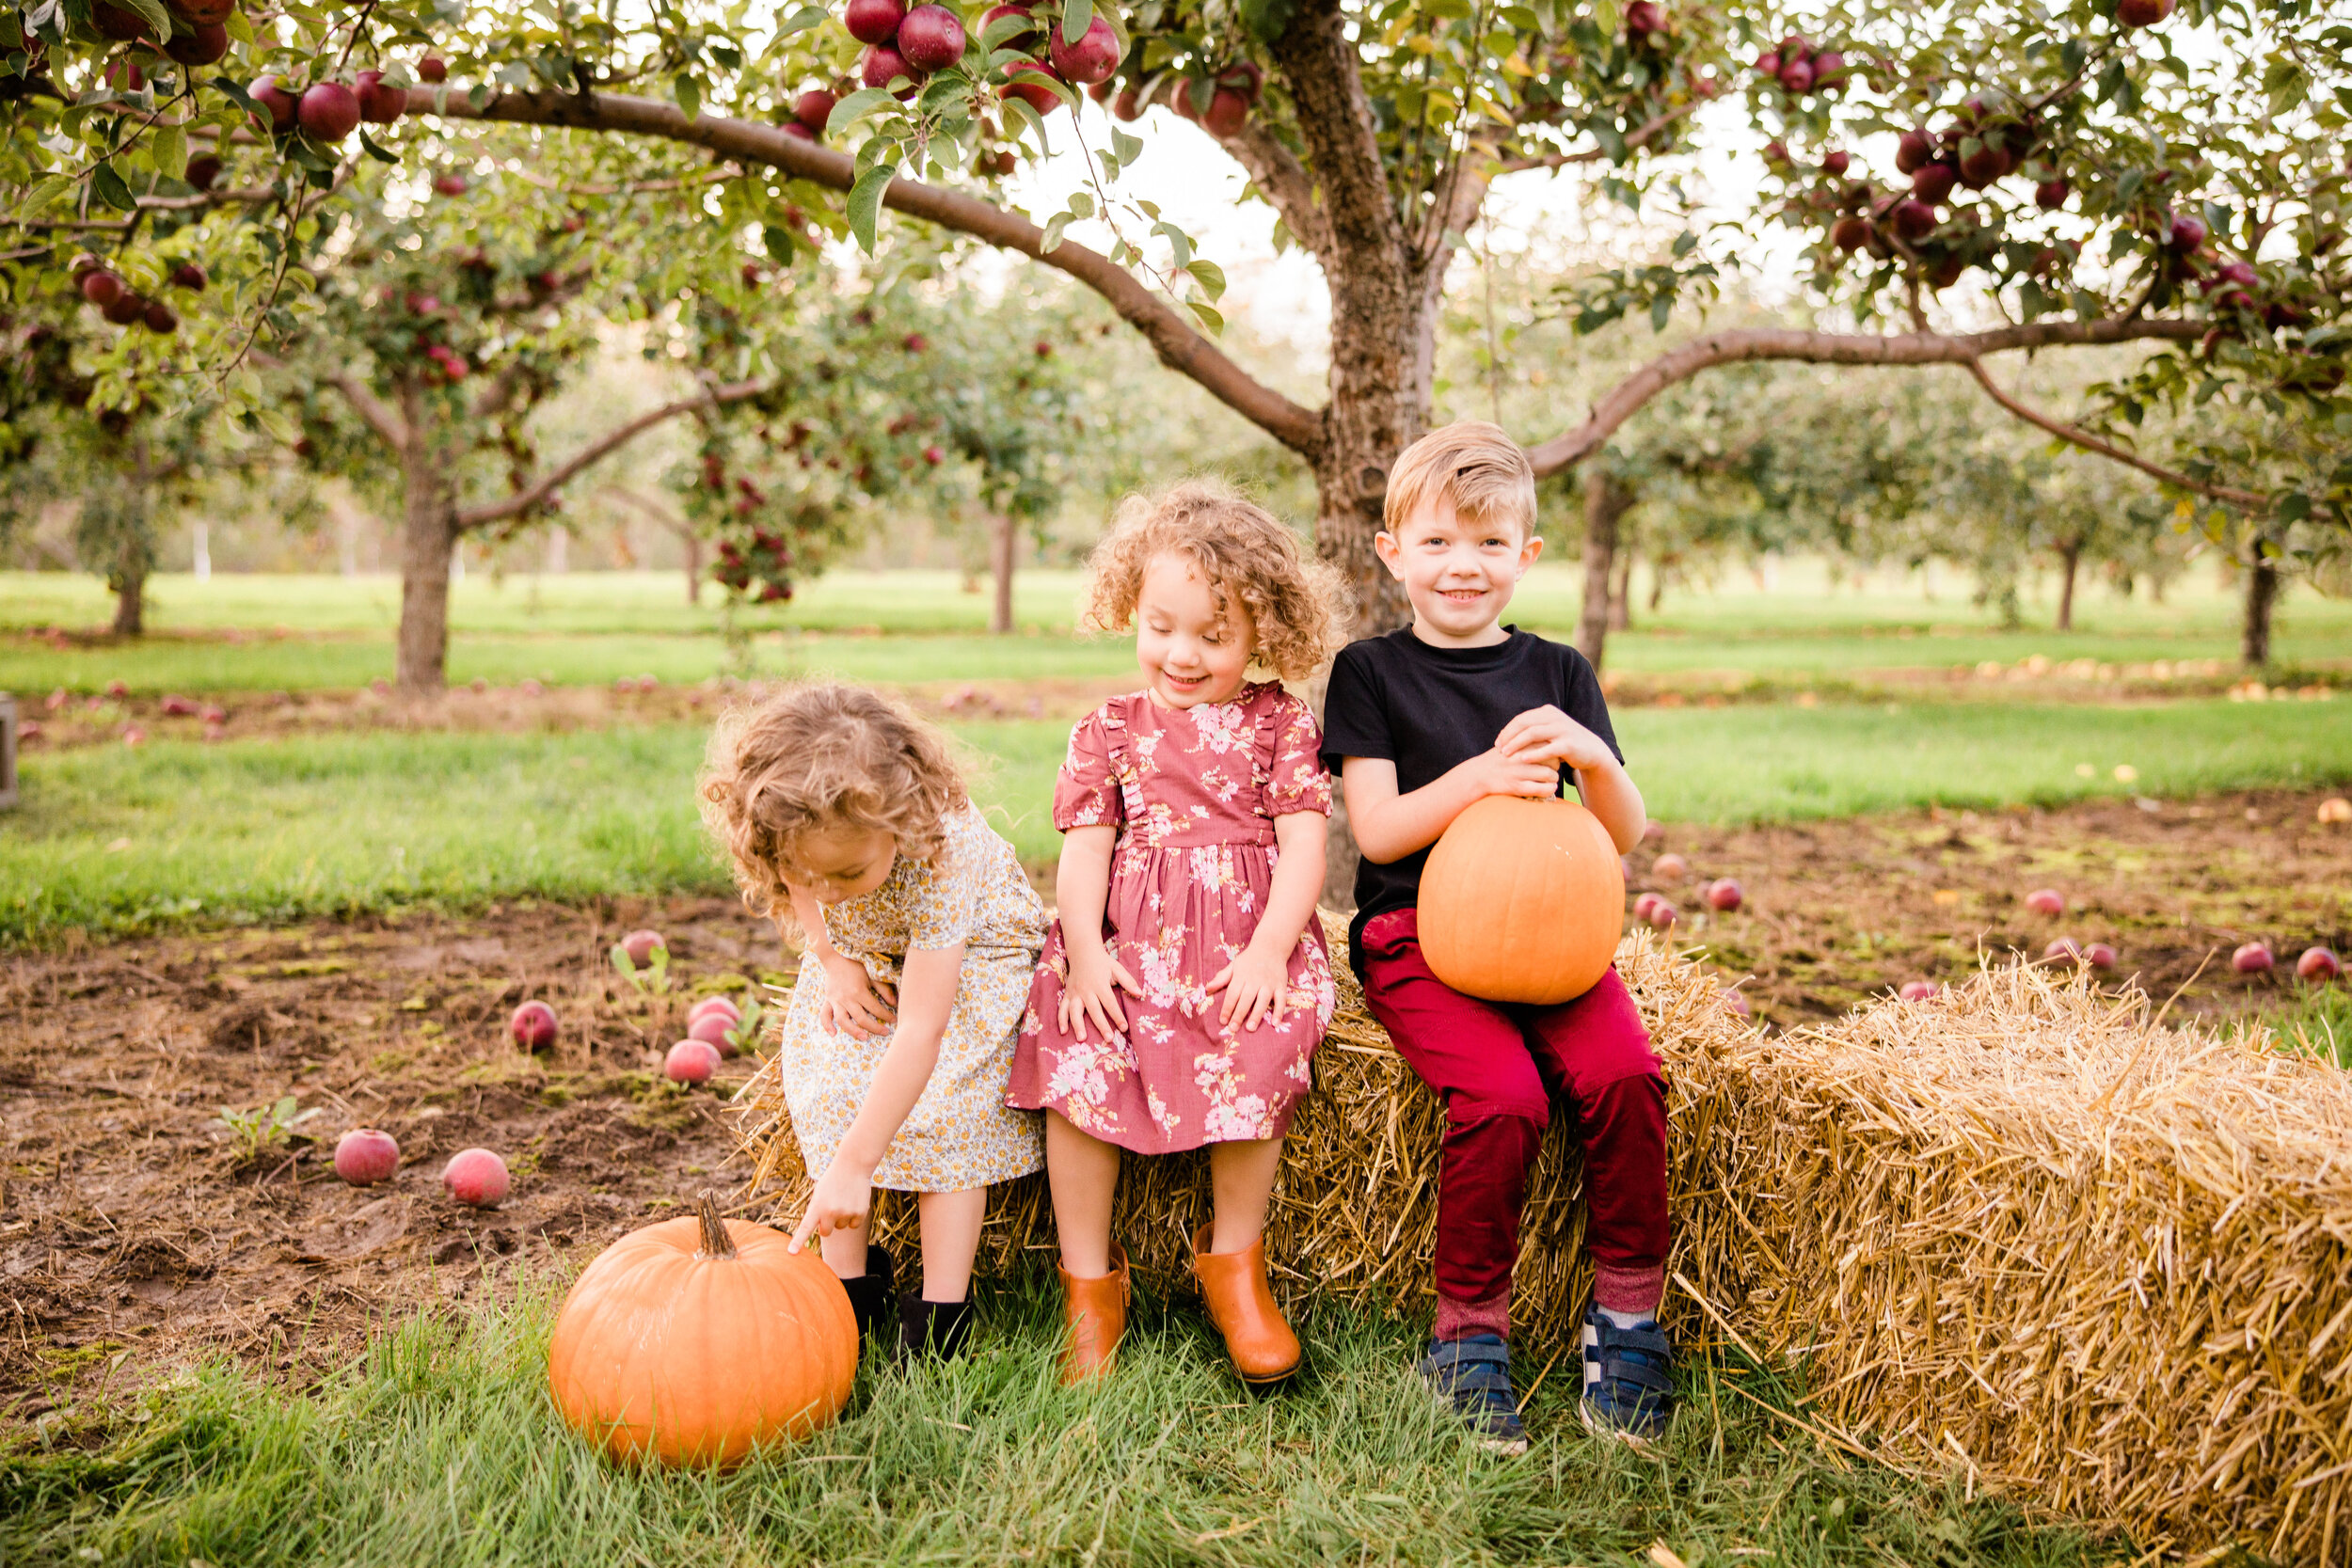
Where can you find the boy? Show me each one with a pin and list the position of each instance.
(1418, 725)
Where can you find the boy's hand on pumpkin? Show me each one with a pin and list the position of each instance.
(855, 1003)
(1092, 992)
(1499, 772)
(1546, 735)
(840, 1201)
(1255, 986)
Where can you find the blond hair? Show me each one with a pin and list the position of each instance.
(1245, 555)
(819, 757)
(1472, 464)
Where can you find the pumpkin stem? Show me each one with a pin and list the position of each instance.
(716, 1241)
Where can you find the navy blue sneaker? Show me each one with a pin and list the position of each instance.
(1629, 1379)
(1474, 1376)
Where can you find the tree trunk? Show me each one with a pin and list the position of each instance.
(693, 542)
(1606, 499)
(1001, 537)
(131, 596)
(1657, 585)
(2261, 597)
(428, 537)
(2069, 557)
(1621, 597)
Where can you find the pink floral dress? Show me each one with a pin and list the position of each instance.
(1194, 793)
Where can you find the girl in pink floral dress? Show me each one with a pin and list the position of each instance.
(1186, 986)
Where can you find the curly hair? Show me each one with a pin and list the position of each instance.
(1293, 601)
(816, 757)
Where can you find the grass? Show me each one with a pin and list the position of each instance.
(114, 839)
(440, 1446)
(2316, 1021)
(592, 628)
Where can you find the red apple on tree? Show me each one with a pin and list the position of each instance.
(199, 44)
(202, 172)
(883, 65)
(433, 69)
(379, 102)
(813, 108)
(931, 38)
(1933, 183)
(874, 21)
(271, 99)
(328, 112)
(2141, 13)
(1094, 58)
(1026, 80)
(1227, 112)
(103, 287)
(158, 317)
(1834, 163)
(1913, 152)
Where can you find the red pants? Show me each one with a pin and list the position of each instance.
(1498, 1067)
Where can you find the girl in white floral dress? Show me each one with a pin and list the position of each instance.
(1186, 985)
(921, 936)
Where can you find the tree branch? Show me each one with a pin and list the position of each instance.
(1179, 346)
(531, 495)
(1595, 155)
(1827, 348)
(378, 413)
(2092, 443)
(1276, 170)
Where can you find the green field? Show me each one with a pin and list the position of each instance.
(440, 1447)
(118, 839)
(593, 627)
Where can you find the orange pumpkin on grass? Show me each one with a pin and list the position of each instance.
(1522, 901)
(692, 1341)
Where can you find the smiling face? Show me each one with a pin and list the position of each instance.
(1458, 572)
(836, 864)
(1192, 641)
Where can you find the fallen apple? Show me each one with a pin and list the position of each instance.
(642, 945)
(690, 1062)
(1662, 915)
(1921, 990)
(2252, 957)
(2064, 947)
(2045, 900)
(2099, 956)
(533, 1026)
(475, 1176)
(1724, 895)
(1669, 867)
(2319, 964)
(366, 1155)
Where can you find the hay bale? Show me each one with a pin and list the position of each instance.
(1355, 1208)
(2029, 1230)
(2024, 1230)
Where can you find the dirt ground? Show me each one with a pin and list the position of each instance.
(137, 1233)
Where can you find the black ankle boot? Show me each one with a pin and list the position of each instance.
(872, 1293)
(933, 1327)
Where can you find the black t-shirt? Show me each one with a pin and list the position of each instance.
(1430, 709)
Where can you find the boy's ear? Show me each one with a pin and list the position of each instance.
(1384, 545)
(1529, 552)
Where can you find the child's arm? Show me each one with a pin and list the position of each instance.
(855, 1003)
(1081, 888)
(927, 995)
(1547, 735)
(1389, 826)
(1258, 982)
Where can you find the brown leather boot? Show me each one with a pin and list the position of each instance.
(1262, 1345)
(1096, 1311)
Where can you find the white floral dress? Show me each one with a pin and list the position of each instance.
(961, 1133)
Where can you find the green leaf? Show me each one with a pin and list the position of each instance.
(1018, 109)
(857, 106)
(168, 149)
(1075, 15)
(1267, 18)
(688, 93)
(864, 205)
(1053, 227)
(238, 28)
(155, 16)
(107, 186)
(1178, 244)
(1128, 147)
(368, 145)
(1211, 323)
(1661, 311)
(1210, 277)
(236, 94)
(800, 21)
(1081, 205)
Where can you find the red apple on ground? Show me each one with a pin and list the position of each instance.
(715, 1005)
(2046, 900)
(2318, 965)
(379, 103)
(2253, 957)
(874, 21)
(690, 1062)
(1724, 895)
(711, 1029)
(2099, 956)
(366, 1155)
(931, 38)
(533, 1026)
(328, 112)
(1094, 58)
(1662, 915)
(1643, 905)
(2064, 947)
(274, 101)
(475, 1176)
(2335, 811)
(1737, 1003)
(1669, 867)
(1921, 990)
(640, 947)
(433, 69)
